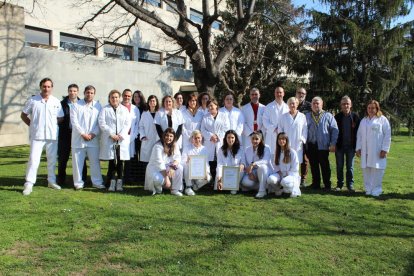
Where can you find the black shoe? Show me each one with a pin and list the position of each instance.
(315, 187)
(351, 189)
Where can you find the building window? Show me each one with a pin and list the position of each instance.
(175, 61)
(149, 56)
(169, 5)
(77, 44)
(197, 17)
(217, 25)
(119, 51)
(155, 3)
(36, 36)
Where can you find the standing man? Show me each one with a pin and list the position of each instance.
(65, 134)
(322, 137)
(45, 111)
(303, 107)
(348, 123)
(252, 113)
(85, 139)
(271, 116)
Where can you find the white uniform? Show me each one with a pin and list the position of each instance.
(209, 127)
(161, 119)
(43, 132)
(271, 115)
(373, 136)
(112, 123)
(204, 110)
(262, 170)
(297, 131)
(192, 150)
(290, 179)
(159, 162)
(191, 123)
(228, 160)
(147, 129)
(84, 118)
(248, 126)
(135, 117)
(236, 120)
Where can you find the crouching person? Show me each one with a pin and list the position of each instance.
(285, 169)
(164, 169)
(196, 148)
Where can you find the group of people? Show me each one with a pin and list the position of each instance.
(271, 145)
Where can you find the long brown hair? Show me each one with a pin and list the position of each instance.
(377, 106)
(261, 146)
(168, 149)
(287, 157)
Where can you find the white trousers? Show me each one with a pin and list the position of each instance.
(176, 180)
(194, 182)
(36, 149)
(262, 173)
(78, 159)
(373, 181)
(290, 184)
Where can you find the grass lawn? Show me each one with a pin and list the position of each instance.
(97, 233)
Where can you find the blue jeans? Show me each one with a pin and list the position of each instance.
(348, 153)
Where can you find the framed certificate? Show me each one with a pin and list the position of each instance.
(197, 167)
(230, 178)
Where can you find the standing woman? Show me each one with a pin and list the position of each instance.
(203, 99)
(192, 119)
(285, 168)
(230, 154)
(169, 116)
(373, 145)
(235, 116)
(114, 122)
(179, 101)
(196, 148)
(213, 127)
(257, 158)
(294, 125)
(138, 100)
(164, 169)
(147, 131)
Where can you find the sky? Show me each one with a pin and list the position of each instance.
(309, 4)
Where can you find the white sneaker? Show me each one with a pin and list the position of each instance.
(98, 186)
(119, 185)
(189, 192)
(234, 192)
(261, 194)
(28, 188)
(54, 186)
(78, 186)
(176, 193)
(112, 186)
(157, 189)
(294, 195)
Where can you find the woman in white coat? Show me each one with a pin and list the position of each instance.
(213, 127)
(203, 99)
(230, 154)
(284, 177)
(147, 131)
(164, 169)
(169, 116)
(235, 116)
(114, 122)
(196, 148)
(373, 145)
(192, 119)
(257, 158)
(294, 124)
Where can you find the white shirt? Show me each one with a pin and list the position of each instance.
(229, 160)
(250, 156)
(84, 118)
(191, 123)
(236, 119)
(43, 117)
(287, 169)
(296, 129)
(210, 127)
(271, 116)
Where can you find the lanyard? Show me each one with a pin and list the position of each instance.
(318, 118)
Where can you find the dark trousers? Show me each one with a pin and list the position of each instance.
(64, 149)
(213, 169)
(304, 167)
(319, 161)
(115, 167)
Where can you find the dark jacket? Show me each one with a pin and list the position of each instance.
(305, 107)
(354, 128)
(65, 131)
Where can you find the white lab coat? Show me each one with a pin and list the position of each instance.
(236, 120)
(147, 129)
(250, 156)
(135, 117)
(373, 136)
(192, 150)
(158, 162)
(290, 179)
(296, 130)
(84, 119)
(209, 127)
(230, 160)
(112, 123)
(248, 126)
(262, 170)
(191, 123)
(271, 115)
(176, 118)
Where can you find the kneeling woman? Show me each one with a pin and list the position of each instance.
(258, 156)
(196, 148)
(285, 169)
(164, 169)
(230, 154)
